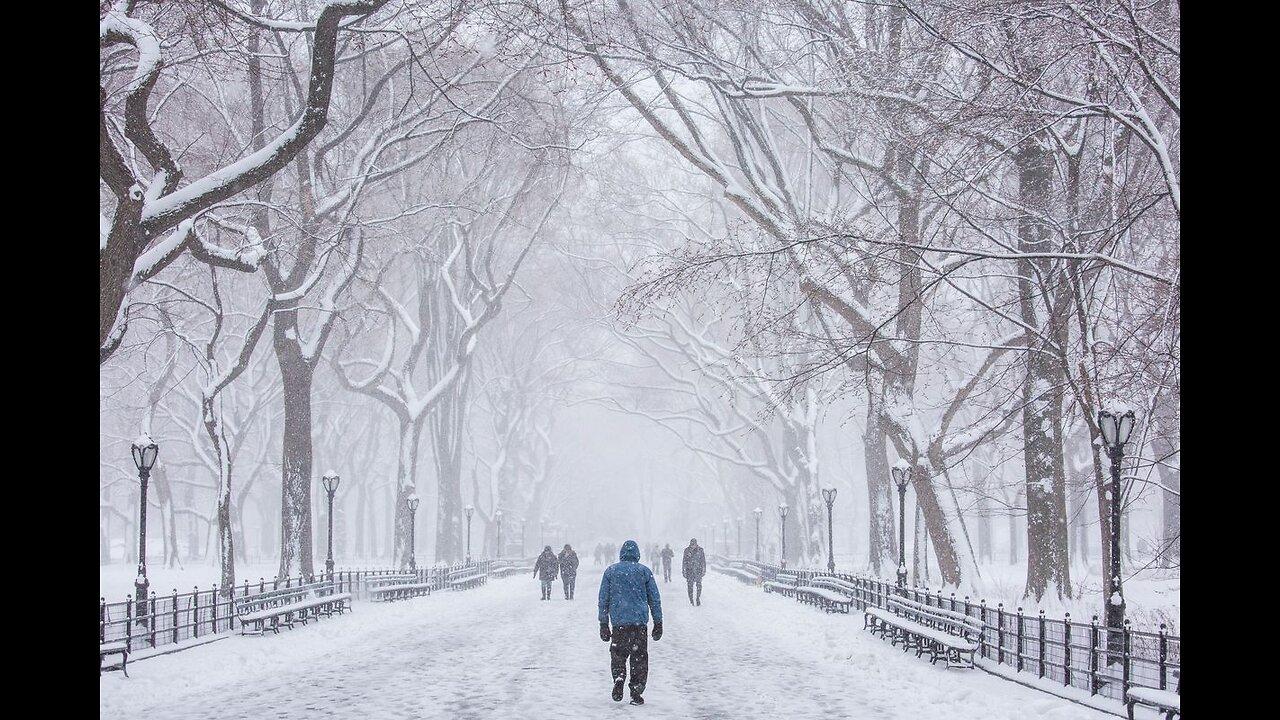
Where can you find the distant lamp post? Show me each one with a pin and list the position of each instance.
(412, 502)
(737, 543)
(829, 497)
(1116, 426)
(726, 536)
(758, 512)
(497, 519)
(468, 510)
(902, 476)
(144, 457)
(782, 529)
(330, 483)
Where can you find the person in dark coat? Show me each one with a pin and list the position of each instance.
(693, 568)
(568, 560)
(546, 568)
(667, 554)
(627, 593)
(599, 553)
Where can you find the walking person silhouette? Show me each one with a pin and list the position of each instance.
(627, 593)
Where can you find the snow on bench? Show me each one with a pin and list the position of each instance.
(828, 593)
(784, 583)
(466, 577)
(114, 648)
(1166, 701)
(400, 591)
(280, 606)
(742, 575)
(938, 631)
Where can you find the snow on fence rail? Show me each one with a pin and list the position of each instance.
(1098, 659)
(177, 617)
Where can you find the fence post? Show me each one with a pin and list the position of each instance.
(128, 622)
(175, 614)
(1093, 656)
(213, 601)
(195, 611)
(1019, 638)
(1000, 633)
(1041, 658)
(151, 618)
(1124, 670)
(102, 620)
(1066, 649)
(982, 640)
(1164, 657)
(953, 602)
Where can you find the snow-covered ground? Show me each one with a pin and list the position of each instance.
(498, 652)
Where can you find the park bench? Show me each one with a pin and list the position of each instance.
(745, 576)
(286, 606)
(830, 594)
(506, 570)
(386, 588)
(785, 583)
(944, 634)
(114, 648)
(1165, 701)
(466, 577)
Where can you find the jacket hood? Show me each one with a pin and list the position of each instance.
(630, 551)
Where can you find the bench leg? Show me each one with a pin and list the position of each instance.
(124, 663)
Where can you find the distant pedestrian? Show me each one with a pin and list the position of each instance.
(546, 568)
(666, 555)
(627, 594)
(568, 560)
(693, 568)
(599, 554)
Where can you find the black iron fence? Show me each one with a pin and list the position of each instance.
(166, 619)
(1074, 652)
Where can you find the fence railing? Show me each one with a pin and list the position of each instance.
(166, 619)
(1102, 660)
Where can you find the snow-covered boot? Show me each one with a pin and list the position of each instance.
(617, 691)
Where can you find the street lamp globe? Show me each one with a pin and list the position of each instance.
(331, 482)
(902, 476)
(468, 510)
(782, 510)
(144, 453)
(758, 512)
(829, 496)
(1116, 426)
(412, 502)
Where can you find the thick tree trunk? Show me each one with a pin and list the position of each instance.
(1164, 445)
(882, 542)
(295, 484)
(1048, 560)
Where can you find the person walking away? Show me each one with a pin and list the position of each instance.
(598, 554)
(667, 554)
(628, 593)
(568, 560)
(693, 567)
(546, 568)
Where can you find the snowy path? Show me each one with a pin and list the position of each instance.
(498, 652)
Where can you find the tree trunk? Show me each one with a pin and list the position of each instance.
(295, 485)
(882, 542)
(1048, 561)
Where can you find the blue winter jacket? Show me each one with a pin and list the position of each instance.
(628, 590)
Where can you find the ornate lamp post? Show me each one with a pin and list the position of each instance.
(1115, 426)
(497, 518)
(758, 512)
(829, 497)
(468, 510)
(902, 476)
(782, 529)
(412, 502)
(330, 483)
(144, 458)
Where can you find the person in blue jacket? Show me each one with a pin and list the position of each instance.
(628, 592)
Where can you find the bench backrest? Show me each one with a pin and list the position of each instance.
(831, 583)
(955, 622)
(787, 578)
(375, 580)
(283, 596)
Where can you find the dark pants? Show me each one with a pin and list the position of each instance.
(546, 589)
(630, 641)
(666, 572)
(692, 582)
(569, 581)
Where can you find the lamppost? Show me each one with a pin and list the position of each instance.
(412, 502)
(497, 518)
(782, 529)
(726, 536)
(829, 497)
(1115, 427)
(330, 483)
(522, 542)
(542, 531)
(737, 543)
(902, 476)
(468, 510)
(144, 457)
(758, 512)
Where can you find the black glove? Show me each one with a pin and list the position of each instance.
(604, 632)
(657, 631)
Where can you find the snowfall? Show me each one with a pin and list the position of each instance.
(499, 652)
